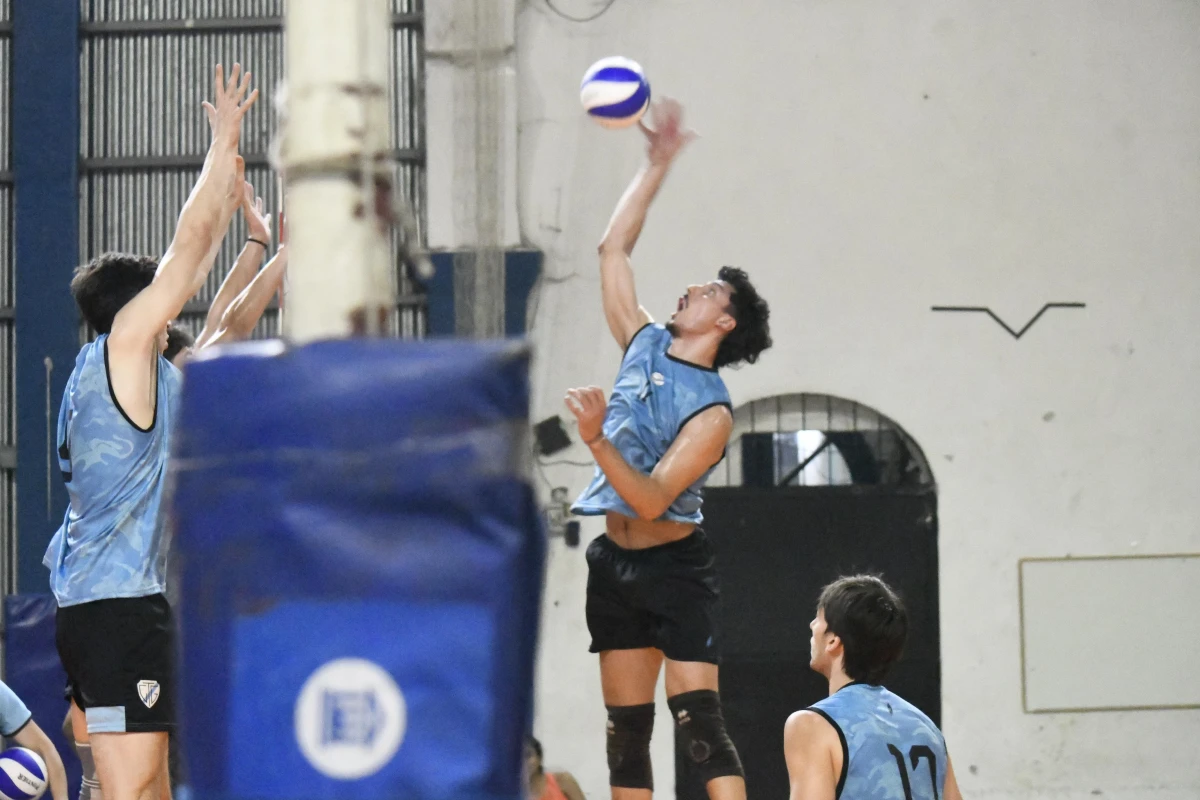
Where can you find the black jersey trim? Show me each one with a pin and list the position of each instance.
(845, 751)
(113, 394)
(631, 338)
(20, 727)
(64, 453)
(701, 410)
(687, 363)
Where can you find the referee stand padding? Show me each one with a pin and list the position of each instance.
(361, 561)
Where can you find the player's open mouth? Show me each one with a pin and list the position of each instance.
(682, 304)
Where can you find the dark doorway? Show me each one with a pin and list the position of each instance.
(776, 547)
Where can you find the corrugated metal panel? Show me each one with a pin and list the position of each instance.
(143, 136)
(100, 10)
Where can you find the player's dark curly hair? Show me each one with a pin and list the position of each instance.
(105, 284)
(752, 335)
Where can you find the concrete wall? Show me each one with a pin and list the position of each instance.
(865, 161)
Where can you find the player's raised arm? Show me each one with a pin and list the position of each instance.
(247, 309)
(621, 309)
(258, 241)
(202, 225)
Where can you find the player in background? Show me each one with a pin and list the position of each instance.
(863, 742)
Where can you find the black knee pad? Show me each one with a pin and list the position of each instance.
(629, 729)
(701, 736)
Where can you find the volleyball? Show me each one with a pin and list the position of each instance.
(615, 92)
(22, 774)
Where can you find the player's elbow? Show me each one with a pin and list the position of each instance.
(613, 244)
(648, 514)
(652, 508)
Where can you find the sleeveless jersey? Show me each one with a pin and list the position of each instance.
(890, 750)
(655, 395)
(111, 542)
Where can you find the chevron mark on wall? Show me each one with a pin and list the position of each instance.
(1016, 334)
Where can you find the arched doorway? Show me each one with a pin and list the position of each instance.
(812, 487)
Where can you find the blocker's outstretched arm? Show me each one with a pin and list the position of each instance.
(621, 308)
(258, 228)
(186, 264)
(247, 309)
(202, 223)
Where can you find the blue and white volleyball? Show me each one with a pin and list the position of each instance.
(22, 774)
(615, 92)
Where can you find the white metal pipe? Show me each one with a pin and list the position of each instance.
(335, 156)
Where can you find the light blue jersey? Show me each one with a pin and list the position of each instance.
(13, 714)
(890, 750)
(655, 395)
(111, 542)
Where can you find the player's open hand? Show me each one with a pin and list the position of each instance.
(588, 405)
(230, 104)
(668, 136)
(258, 221)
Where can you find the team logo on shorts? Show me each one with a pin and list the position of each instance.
(149, 692)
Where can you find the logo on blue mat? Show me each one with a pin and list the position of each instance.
(350, 718)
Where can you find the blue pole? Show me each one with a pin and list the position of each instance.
(45, 153)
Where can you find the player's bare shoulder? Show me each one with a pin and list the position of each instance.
(806, 728)
(714, 422)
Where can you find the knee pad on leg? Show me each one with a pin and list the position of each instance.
(89, 789)
(701, 735)
(629, 729)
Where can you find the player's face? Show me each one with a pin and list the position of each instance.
(819, 658)
(702, 307)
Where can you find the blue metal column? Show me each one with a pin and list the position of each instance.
(521, 271)
(45, 152)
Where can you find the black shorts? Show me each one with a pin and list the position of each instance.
(120, 661)
(664, 597)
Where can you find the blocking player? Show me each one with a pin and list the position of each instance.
(107, 561)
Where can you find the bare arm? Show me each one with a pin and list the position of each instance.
(569, 786)
(245, 312)
(810, 754)
(697, 447)
(185, 265)
(34, 738)
(625, 316)
(181, 272)
(621, 309)
(258, 226)
(950, 790)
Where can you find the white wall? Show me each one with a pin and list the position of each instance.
(866, 160)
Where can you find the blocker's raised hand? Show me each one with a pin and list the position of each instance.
(230, 104)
